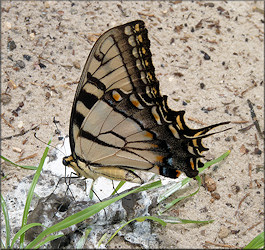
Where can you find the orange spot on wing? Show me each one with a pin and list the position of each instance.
(140, 38)
(192, 164)
(116, 97)
(160, 158)
(178, 173)
(135, 103)
(149, 135)
(156, 117)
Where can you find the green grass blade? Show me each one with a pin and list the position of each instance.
(175, 187)
(104, 236)
(80, 244)
(31, 192)
(121, 183)
(2, 245)
(139, 219)
(256, 243)
(87, 212)
(26, 167)
(49, 238)
(143, 218)
(162, 220)
(176, 220)
(5, 212)
(23, 230)
(91, 190)
(172, 203)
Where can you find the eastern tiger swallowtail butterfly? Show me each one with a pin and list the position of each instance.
(120, 122)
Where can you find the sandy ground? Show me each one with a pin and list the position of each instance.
(44, 46)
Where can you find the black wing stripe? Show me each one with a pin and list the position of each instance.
(87, 99)
(95, 81)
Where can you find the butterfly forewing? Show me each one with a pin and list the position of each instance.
(119, 120)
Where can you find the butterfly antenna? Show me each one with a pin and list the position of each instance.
(99, 200)
(35, 135)
(54, 189)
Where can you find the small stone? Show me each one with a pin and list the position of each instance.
(47, 5)
(235, 189)
(257, 151)
(203, 232)
(206, 57)
(11, 84)
(20, 64)
(5, 98)
(209, 5)
(76, 65)
(48, 95)
(215, 195)
(210, 183)
(228, 138)
(202, 85)
(42, 66)
(7, 26)
(20, 124)
(27, 57)
(11, 45)
(224, 232)
(18, 150)
(32, 36)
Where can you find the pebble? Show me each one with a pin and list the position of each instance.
(209, 4)
(7, 25)
(202, 85)
(215, 195)
(20, 124)
(224, 232)
(11, 45)
(32, 36)
(47, 5)
(27, 57)
(5, 98)
(42, 66)
(20, 64)
(76, 65)
(18, 150)
(210, 183)
(206, 56)
(235, 189)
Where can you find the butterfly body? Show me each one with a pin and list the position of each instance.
(120, 122)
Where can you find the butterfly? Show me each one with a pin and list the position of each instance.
(120, 122)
